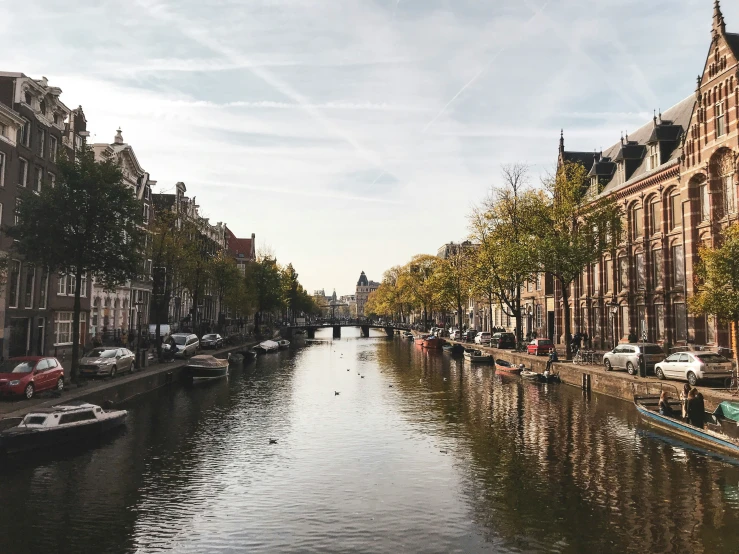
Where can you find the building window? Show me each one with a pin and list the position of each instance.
(623, 272)
(24, 133)
(703, 201)
(596, 278)
(52, 147)
(655, 223)
(63, 322)
(41, 142)
(674, 211)
(681, 321)
(625, 322)
(538, 281)
(22, 172)
(659, 315)
(14, 283)
(658, 275)
(641, 313)
(653, 159)
(2, 169)
(729, 194)
(641, 272)
(638, 228)
(720, 124)
(30, 282)
(710, 329)
(17, 210)
(39, 178)
(678, 269)
(539, 317)
(52, 180)
(609, 276)
(146, 213)
(43, 291)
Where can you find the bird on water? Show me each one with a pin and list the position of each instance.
(273, 441)
(336, 393)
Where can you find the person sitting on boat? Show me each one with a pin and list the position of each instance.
(684, 400)
(664, 405)
(696, 409)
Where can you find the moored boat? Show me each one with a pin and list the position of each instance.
(503, 366)
(63, 423)
(721, 431)
(267, 346)
(283, 344)
(433, 342)
(453, 348)
(477, 356)
(206, 368)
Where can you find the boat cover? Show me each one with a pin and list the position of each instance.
(207, 361)
(728, 410)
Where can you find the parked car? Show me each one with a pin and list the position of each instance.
(27, 375)
(539, 346)
(693, 367)
(628, 357)
(106, 360)
(503, 340)
(186, 344)
(212, 340)
(482, 338)
(455, 334)
(470, 334)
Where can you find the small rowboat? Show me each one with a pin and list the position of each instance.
(477, 356)
(503, 366)
(432, 343)
(206, 368)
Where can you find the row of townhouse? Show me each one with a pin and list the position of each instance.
(676, 181)
(35, 306)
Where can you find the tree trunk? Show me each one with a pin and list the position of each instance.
(566, 308)
(735, 341)
(519, 323)
(74, 373)
(490, 313)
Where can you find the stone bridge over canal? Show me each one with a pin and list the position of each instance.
(311, 328)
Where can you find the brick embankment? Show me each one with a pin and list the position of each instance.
(117, 390)
(617, 384)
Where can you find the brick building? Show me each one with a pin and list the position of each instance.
(35, 307)
(676, 181)
(364, 288)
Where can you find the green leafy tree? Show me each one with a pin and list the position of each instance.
(227, 284)
(717, 282)
(88, 224)
(573, 229)
(417, 280)
(263, 281)
(454, 277)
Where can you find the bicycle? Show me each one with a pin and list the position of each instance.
(579, 358)
(732, 383)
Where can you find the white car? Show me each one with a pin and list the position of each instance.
(455, 334)
(482, 338)
(693, 367)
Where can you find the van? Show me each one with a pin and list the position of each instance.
(186, 344)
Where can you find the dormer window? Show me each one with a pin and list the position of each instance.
(28, 98)
(42, 107)
(653, 156)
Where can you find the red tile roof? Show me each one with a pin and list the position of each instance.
(238, 246)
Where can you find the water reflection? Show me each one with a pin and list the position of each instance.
(426, 453)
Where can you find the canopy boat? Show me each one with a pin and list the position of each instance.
(453, 348)
(477, 356)
(432, 342)
(267, 346)
(282, 344)
(45, 427)
(206, 368)
(721, 431)
(504, 366)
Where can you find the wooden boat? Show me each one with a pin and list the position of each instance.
(266, 346)
(453, 349)
(283, 344)
(721, 432)
(46, 427)
(502, 366)
(478, 357)
(433, 342)
(206, 368)
(539, 377)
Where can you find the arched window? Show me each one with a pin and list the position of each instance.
(655, 216)
(722, 174)
(637, 223)
(675, 215)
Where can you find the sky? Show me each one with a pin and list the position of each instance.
(350, 135)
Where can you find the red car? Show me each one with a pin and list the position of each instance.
(539, 346)
(27, 375)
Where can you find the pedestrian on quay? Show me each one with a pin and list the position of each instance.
(684, 400)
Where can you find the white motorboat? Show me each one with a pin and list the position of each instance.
(206, 368)
(44, 427)
(267, 346)
(283, 344)
(477, 356)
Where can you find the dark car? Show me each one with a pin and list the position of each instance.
(212, 340)
(470, 334)
(503, 340)
(25, 376)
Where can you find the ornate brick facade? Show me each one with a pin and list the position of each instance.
(676, 179)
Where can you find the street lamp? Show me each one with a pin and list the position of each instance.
(614, 311)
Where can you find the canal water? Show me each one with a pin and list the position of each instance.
(418, 452)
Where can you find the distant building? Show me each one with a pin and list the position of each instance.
(364, 288)
(242, 250)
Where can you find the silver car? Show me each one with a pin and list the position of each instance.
(106, 360)
(186, 344)
(694, 366)
(628, 357)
